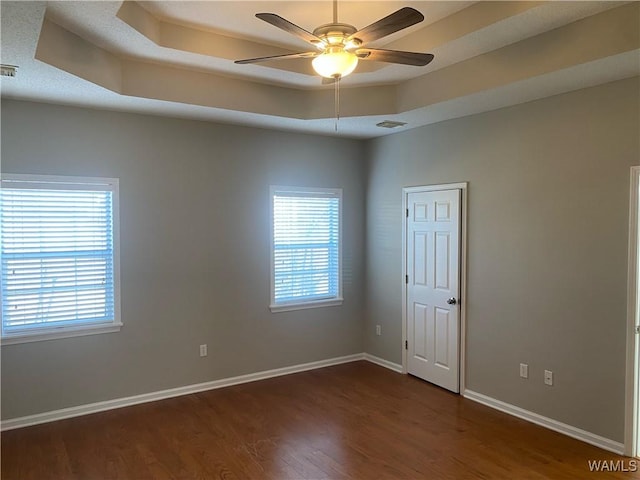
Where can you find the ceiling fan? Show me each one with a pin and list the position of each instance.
(339, 46)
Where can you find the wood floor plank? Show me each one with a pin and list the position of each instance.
(349, 422)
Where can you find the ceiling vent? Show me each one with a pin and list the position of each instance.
(390, 124)
(8, 70)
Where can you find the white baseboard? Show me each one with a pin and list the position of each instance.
(383, 363)
(549, 423)
(79, 410)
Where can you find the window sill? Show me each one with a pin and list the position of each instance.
(60, 333)
(334, 302)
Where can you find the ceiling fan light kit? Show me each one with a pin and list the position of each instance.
(336, 60)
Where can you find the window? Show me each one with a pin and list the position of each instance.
(305, 249)
(59, 247)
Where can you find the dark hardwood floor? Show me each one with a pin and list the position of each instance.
(352, 421)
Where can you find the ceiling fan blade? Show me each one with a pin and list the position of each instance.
(394, 56)
(287, 26)
(278, 57)
(403, 18)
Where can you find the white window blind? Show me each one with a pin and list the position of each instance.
(306, 246)
(57, 247)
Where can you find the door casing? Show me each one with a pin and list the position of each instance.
(462, 186)
(632, 394)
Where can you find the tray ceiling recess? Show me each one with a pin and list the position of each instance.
(177, 59)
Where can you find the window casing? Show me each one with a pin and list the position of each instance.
(306, 250)
(59, 248)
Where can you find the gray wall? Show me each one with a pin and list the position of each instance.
(194, 206)
(547, 246)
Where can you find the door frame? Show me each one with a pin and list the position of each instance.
(632, 397)
(462, 187)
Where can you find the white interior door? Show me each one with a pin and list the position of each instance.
(433, 287)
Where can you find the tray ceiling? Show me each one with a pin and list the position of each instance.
(176, 58)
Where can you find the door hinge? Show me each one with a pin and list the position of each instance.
(638, 329)
(407, 213)
(406, 344)
(406, 279)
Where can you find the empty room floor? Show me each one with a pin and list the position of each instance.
(350, 421)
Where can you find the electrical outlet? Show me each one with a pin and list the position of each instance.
(203, 350)
(524, 370)
(548, 377)
(378, 330)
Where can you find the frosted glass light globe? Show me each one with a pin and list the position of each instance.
(335, 62)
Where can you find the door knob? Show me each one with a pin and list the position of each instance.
(452, 301)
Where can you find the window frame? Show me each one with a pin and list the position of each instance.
(72, 183)
(303, 304)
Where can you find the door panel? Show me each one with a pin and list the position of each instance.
(442, 335)
(442, 259)
(420, 326)
(433, 251)
(421, 267)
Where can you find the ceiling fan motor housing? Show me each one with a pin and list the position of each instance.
(337, 34)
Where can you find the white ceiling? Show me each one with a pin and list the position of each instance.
(176, 58)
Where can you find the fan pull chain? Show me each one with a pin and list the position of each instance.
(337, 101)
